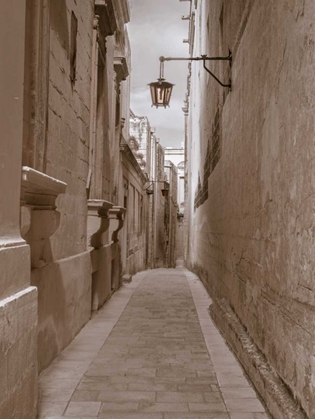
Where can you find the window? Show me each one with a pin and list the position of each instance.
(73, 47)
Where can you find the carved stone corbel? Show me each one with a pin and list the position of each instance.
(116, 214)
(98, 229)
(39, 218)
(121, 68)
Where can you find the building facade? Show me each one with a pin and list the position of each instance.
(177, 157)
(78, 213)
(65, 171)
(250, 206)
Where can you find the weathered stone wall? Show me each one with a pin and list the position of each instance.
(170, 218)
(64, 280)
(134, 232)
(18, 300)
(64, 305)
(68, 122)
(159, 244)
(251, 171)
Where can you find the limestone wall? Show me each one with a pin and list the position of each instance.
(18, 300)
(251, 157)
(68, 122)
(63, 276)
(64, 304)
(134, 232)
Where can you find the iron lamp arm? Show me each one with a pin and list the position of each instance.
(203, 58)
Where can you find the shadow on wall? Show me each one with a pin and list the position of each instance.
(64, 304)
(59, 22)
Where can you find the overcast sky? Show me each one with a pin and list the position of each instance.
(156, 29)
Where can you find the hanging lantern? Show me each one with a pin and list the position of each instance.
(161, 92)
(165, 190)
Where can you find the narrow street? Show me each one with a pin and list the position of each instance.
(152, 351)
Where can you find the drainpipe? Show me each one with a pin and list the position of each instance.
(93, 99)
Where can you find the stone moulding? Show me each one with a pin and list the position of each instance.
(117, 214)
(130, 157)
(98, 218)
(40, 190)
(121, 68)
(39, 217)
(275, 393)
(108, 20)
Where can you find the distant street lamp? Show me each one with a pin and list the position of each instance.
(161, 90)
(164, 190)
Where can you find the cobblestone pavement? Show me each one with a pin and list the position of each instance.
(151, 352)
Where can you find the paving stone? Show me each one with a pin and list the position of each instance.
(163, 407)
(197, 388)
(179, 371)
(232, 380)
(241, 415)
(244, 405)
(85, 395)
(202, 415)
(49, 409)
(238, 392)
(213, 397)
(172, 380)
(208, 407)
(55, 394)
(58, 383)
(100, 385)
(143, 372)
(130, 406)
(83, 409)
(126, 396)
(129, 415)
(203, 380)
(153, 387)
(179, 397)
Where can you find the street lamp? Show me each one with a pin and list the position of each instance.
(161, 90)
(164, 190)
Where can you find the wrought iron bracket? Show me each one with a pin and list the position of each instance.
(204, 58)
(229, 58)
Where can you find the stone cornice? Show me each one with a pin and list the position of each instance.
(127, 153)
(108, 22)
(39, 218)
(98, 221)
(121, 68)
(117, 214)
(123, 10)
(39, 189)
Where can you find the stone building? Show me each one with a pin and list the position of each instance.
(140, 129)
(250, 188)
(177, 157)
(171, 212)
(64, 170)
(136, 226)
(161, 208)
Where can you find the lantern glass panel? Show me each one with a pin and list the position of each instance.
(153, 93)
(160, 95)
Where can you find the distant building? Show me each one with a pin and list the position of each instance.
(177, 157)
